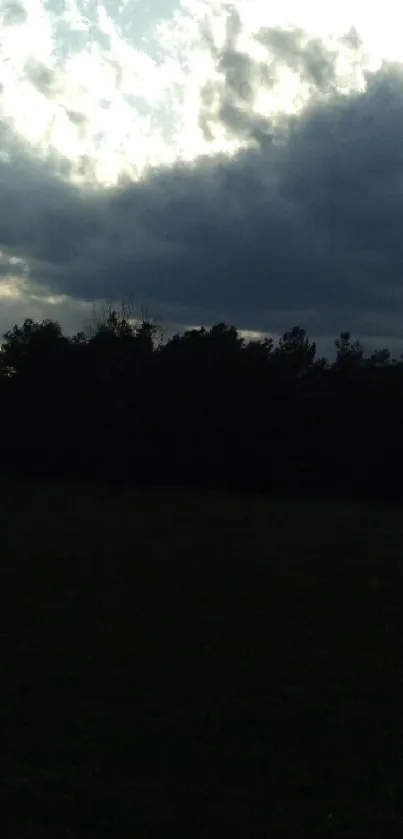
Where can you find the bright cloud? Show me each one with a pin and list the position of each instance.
(76, 81)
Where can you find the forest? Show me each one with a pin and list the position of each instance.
(204, 409)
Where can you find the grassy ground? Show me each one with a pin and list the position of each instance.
(199, 666)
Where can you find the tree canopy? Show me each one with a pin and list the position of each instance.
(203, 408)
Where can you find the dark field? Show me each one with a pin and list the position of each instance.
(199, 666)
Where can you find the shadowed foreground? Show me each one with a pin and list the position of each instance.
(199, 666)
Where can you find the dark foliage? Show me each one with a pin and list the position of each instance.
(205, 408)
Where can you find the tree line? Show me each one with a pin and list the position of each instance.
(205, 408)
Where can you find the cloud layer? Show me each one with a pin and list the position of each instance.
(301, 225)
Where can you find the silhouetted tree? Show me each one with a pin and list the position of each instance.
(205, 407)
(295, 352)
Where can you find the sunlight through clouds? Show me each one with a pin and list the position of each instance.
(78, 84)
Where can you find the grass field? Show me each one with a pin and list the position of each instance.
(183, 665)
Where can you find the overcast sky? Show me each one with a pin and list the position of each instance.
(214, 161)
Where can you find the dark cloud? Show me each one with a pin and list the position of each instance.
(41, 76)
(303, 227)
(241, 75)
(12, 14)
(314, 64)
(76, 117)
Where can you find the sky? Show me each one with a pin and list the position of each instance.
(207, 160)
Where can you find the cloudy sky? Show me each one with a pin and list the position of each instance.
(213, 161)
